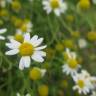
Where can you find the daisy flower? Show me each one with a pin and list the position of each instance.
(83, 85)
(71, 65)
(1, 32)
(57, 6)
(29, 48)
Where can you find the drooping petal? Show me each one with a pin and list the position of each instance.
(26, 61)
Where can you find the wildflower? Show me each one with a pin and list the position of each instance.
(43, 90)
(83, 84)
(84, 4)
(71, 66)
(28, 48)
(82, 43)
(1, 32)
(37, 73)
(57, 6)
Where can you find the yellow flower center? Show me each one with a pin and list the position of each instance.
(84, 4)
(54, 3)
(19, 37)
(72, 63)
(81, 83)
(26, 49)
(35, 74)
(24, 28)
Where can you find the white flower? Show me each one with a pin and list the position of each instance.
(57, 6)
(1, 32)
(71, 66)
(25, 27)
(29, 48)
(83, 85)
(82, 43)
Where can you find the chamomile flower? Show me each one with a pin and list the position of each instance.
(25, 27)
(71, 65)
(1, 32)
(57, 6)
(29, 48)
(83, 84)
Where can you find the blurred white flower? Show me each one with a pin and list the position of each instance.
(1, 32)
(71, 66)
(57, 6)
(30, 47)
(82, 43)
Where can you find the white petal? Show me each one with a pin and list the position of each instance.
(26, 61)
(15, 42)
(3, 31)
(2, 38)
(37, 42)
(41, 47)
(34, 38)
(27, 37)
(21, 64)
(38, 56)
(57, 12)
(12, 52)
(13, 45)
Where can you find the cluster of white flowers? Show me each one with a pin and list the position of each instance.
(84, 82)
